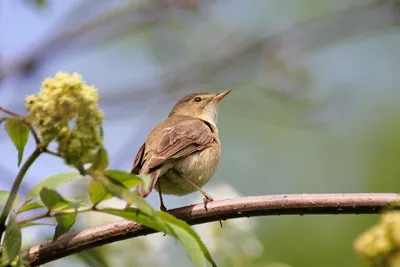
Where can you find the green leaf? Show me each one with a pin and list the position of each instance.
(4, 196)
(39, 204)
(64, 224)
(160, 221)
(19, 133)
(31, 206)
(51, 182)
(125, 194)
(189, 238)
(97, 192)
(29, 224)
(191, 246)
(127, 179)
(52, 200)
(55, 201)
(12, 242)
(195, 248)
(136, 215)
(100, 160)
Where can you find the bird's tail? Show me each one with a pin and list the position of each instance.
(148, 183)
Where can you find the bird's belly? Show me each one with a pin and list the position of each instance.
(198, 168)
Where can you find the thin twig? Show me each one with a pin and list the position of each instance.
(34, 218)
(24, 120)
(9, 112)
(48, 151)
(49, 214)
(296, 204)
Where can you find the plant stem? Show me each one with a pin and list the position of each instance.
(50, 152)
(9, 112)
(24, 120)
(49, 214)
(14, 190)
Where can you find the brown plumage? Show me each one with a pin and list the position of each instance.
(182, 152)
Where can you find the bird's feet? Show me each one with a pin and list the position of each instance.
(162, 207)
(206, 200)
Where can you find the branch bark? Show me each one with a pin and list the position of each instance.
(295, 204)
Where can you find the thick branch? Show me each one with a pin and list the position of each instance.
(296, 204)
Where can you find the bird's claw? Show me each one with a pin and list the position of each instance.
(163, 208)
(206, 200)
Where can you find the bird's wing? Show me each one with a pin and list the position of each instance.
(178, 140)
(171, 139)
(138, 162)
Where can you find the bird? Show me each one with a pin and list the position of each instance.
(182, 152)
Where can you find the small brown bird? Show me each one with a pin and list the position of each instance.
(182, 152)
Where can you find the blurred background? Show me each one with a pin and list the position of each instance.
(314, 109)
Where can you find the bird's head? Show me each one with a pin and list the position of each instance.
(200, 105)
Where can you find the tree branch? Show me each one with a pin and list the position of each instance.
(296, 204)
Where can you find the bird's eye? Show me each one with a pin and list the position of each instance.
(197, 99)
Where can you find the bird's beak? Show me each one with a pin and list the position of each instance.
(220, 96)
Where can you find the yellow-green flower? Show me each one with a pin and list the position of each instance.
(382, 241)
(66, 110)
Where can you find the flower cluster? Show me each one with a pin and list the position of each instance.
(66, 110)
(380, 245)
